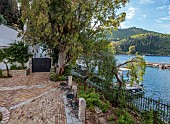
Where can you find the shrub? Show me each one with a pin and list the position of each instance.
(93, 99)
(111, 119)
(104, 106)
(15, 67)
(151, 117)
(125, 118)
(61, 77)
(67, 70)
(55, 77)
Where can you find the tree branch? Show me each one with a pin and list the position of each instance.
(117, 77)
(131, 61)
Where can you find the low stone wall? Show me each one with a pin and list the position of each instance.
(15, 72)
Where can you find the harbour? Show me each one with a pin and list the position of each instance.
(156, 81)
(158, 65)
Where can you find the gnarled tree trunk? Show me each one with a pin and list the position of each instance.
(61, 62)
(7, 69)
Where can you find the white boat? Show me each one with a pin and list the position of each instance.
(133, 88)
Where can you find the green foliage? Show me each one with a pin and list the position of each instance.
(137, 68)
(2, 20)
(15, 67)
(121, 34)
(93, 99)
(147, 117)
(66, 25)
(5, 58)
(78, 79)
(111, 119)
(116, 47)
(56, 77)
(19, 52)
(157, 44)
(145, 42)
(53, 76)
(104, 106)
(131, 50)
(151, 117)
(67, 71)
(125, 118)
(9, 9)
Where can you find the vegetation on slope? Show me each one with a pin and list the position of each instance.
(142, 41)
(157, 44)
(125, 33)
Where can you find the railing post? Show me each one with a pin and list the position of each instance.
(82, 109)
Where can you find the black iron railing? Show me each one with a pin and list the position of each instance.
(138, 102)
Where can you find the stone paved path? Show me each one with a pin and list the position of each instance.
(47, 109)
(22, 87)
(19, 79)
(32, 100)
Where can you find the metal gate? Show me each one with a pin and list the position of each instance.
(41, 64)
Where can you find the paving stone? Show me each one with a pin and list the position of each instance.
(42, 110)
(32, 100)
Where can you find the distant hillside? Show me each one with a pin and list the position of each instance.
(145, 42)
(157, 44)
(126, 33)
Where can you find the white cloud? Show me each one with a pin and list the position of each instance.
(164, 1)
(146, 1)
(130, 13)
(167, 18)
(144, 16)
(162, 7)
(168, 7)
(123, 25)
(157, 20)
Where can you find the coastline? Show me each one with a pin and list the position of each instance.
(145, 54)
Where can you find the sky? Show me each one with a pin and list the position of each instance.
(153, 15)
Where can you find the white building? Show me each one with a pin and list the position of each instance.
(9, 35)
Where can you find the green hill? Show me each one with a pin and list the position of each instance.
(157, 44)
(125, 33)
(145, 42)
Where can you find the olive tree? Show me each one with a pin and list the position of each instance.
(5, 58)
(59, 24)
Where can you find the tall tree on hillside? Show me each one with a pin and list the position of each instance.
(61, 23)
(9, 9)
(2, 20)
(131, 50)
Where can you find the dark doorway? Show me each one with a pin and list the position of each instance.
(41, 64)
